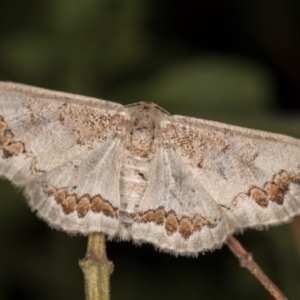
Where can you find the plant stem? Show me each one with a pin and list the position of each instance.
(96, 268)
(246, 260)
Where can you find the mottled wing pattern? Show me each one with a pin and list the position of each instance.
(253, 176)
(212, 179)
(177, 213)
(60, 148)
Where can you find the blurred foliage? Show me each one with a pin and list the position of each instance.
(233, 61)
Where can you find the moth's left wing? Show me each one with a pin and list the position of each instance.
(254, 176)
(177, 214)
(212, 179)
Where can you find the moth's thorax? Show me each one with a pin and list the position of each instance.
(142, 132)
(143, 129)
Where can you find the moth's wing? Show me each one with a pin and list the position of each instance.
(253, 176)
(60, 148)
(211, 179)
(82, 194)
(177, 214)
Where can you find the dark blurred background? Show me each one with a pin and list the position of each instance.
(231, 61)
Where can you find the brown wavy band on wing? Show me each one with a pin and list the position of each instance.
(71, 202)
(9, 147)
(185, 225)
(272, 191)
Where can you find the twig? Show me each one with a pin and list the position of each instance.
(246, 260)
(295, 228)
(96, 268)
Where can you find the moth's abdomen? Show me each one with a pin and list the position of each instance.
(133, 182)
(134, 179)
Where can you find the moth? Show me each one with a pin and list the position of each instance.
(136, 172)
